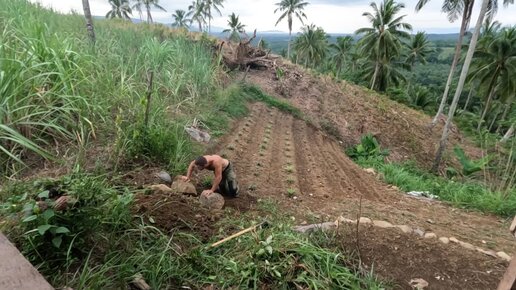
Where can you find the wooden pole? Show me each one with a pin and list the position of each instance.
(509, 277)
(236, 235)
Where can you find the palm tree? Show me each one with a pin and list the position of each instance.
(119, 9)
(208, 6)
(381, 43)
(499, 59)
(341, 51)
(89, 20)
(311, 45)
(148, 5)
(418, 49)
(290, 8)
(453, 8)
(235, 27)
(196, 11)
(180, 19)
(460, 86)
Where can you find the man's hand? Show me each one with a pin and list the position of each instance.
(207, 192)
(185, 178)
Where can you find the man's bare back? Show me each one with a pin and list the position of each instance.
(225, 178)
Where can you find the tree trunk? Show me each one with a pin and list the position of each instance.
(460, 86)
(463, 27)
(504, 115)
(288, 48)
(491, 91)
(149, 16)
(89, 20)
(493, 121)
(508, 134)
(468, 99)
(375, 74)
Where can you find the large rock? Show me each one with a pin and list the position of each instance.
(181, 187)
(164, 177)
(214, 201)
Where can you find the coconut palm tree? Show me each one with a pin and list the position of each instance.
(235, 28)
(196, 11)
(497, 60)
(382, 42)
(460, 86)
(418, 49)
(119, 9)
(181, 19)
(454, 9)
(340, 52)
(89, 20)
(291, 8)
(148, 5)
(311, 45)
(208, 6)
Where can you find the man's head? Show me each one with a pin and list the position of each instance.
(200, 162)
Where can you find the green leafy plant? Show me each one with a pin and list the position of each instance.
(470, 166)
(368, 148)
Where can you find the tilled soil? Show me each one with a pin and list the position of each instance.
(400, 258)
(306, 172)
(349, 111)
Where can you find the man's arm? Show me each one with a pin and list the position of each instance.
(218, 177)
(189, 172)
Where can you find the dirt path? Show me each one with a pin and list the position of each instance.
(277, 156)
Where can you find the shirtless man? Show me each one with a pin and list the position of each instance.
(225, 177)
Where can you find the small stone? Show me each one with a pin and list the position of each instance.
(165, 177)
(504, 256)
(161, 189)
(139, 283)
(430, 221)
(512, 228)
(454, 240)
(487, 252)
(404, 228)
(430, 236)
(295, 197)
(419, 232)
(383, 224)
(370, 171)
(418, 283)
(304, 223)
(395, 187)
(364, 220)
(467, 245)
(444, 240)
(342, 219)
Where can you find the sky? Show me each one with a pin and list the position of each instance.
(334, 16)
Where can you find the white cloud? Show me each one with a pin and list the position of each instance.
(332, 15)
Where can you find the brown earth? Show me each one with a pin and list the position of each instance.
(306, 172)
(349, 111)
(399, 258)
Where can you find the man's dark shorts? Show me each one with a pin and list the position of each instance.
(228, 185)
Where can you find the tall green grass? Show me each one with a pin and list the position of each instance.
(56, 89)
(468, 194)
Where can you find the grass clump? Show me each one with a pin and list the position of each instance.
(254, 93)
(464, 194)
